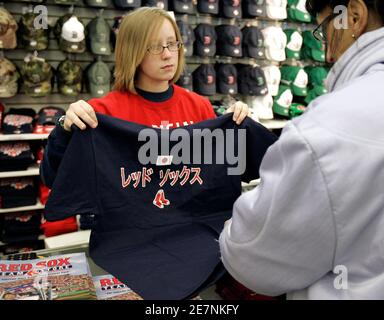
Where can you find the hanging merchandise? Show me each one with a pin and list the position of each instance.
(283, 101)
(70, 33)
(99, 79)
(229, 40)
(253, 42)
(226, 82)
(36, 75)
(30, 37)
(204, 80)
(69, 77)
(8, 28)
(99, 36)
(9, 77)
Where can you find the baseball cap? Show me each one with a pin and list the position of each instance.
(229, 40)
(231, 8)
(205, 43)
(69, 77)
(253, 43)
(313, 48)
(316, 75)
(261, 106)
(162, 4)
(208, 6)
(97, 3)
(182, 6)
(187, 36)
(30, 37)
(99, 36)
(185, 80)
(251, 80)
(275, 42)
(226, 79)
(276, 9)
(283, 101)
(273, 77)
(127, 4)
(36, 74)
(297, 11)
(295, 42)
(99, 79)
(72, 35)
(296, 78)
(204, 80)
(315, 92)
(9, 77)
(8, 28)
(253, 8)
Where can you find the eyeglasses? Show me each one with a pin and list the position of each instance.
(158, 48)
(320, 33)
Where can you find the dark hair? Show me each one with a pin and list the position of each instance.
(314, 7)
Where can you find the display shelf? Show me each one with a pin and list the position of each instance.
(36, 206)
(23, 136)
(33, 170)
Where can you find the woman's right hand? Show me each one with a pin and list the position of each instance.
(80, 113)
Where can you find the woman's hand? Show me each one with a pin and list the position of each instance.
(80, 113)
(240, 111)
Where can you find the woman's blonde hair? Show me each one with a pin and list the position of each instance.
(133, 40)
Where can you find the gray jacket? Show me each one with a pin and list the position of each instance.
(314, 227)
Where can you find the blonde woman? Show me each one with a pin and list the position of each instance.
(148, 63)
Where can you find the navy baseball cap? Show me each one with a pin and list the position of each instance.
(204, 80)
(188, 37)
(127, 4)
(205, 43)
(49, 115)
(226, 79)
(208, 6)
(253, 43)
(185, 81)
(162, 4)
(251, 81)
(253, 8)
(231, 8)
(182, 6)
(229, 38)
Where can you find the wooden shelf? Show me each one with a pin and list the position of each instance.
(24, 136)
(37, 206)
(31, 171)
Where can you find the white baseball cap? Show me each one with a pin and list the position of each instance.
(73, 30)
(273, 77)
(261, 107)
(276, 9)
(275, 41)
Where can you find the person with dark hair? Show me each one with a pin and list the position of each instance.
(313, 228)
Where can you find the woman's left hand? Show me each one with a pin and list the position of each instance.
(240, 111)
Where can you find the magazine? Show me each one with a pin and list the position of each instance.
(110, 288)
(62, 277)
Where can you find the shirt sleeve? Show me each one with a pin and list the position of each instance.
(282, 235)
(74, 190)
(54, 151)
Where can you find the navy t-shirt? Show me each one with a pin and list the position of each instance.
(157, 224)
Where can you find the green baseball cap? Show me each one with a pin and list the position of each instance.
(296, 78)
(313, 48)
(316, 75)
(9, 77)
(99, 79)
(294, 43)
(315, 92)
(283, 101)
(69, 77)
(297, 11)
(296, 109)
(30, 37)
(97, 3)
(37, 75)
(99, 36)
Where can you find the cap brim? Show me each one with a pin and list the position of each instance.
(205, 89)
(292, 54)
(97, 3)
(205, 51)
(8, 90)
(99, 90)
(256, 11)
(278, 13)
(302, 16)
(318, 55)
(256, 53)
(297, 91)
(280, 110)
(232, 12)
(231, 51)
(38, 90)
(100, 48)
(72, 47)
(275, 55)
(70, 90)
(210, 8)
(182, 7)
(225, 88)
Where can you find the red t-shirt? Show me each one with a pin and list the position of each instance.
(183, 108)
